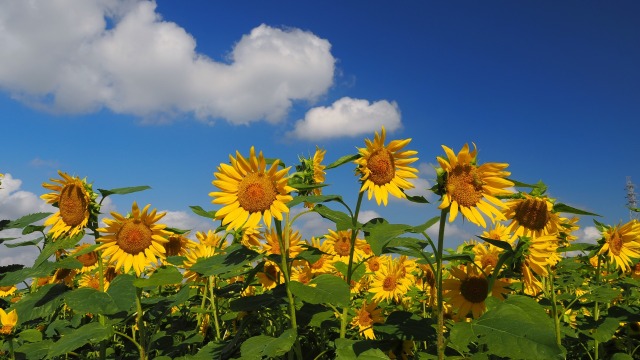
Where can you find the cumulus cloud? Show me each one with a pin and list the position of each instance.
(186, 221)
(121, 55)
(347, 117)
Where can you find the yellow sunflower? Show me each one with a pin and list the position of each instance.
(366, 316)
(467, 187)
(178, 245)
(89, 259)
(385, 169)
(270, 276)
(498, 232)
(92, 281)
(251, 237)
(622, 242)
(205, 248)
(272, 245)
(540, 252)
(8, 321)
(338, 244)
(75, 200)
(135, 241)
(486, 256)
(7, 290)
(532, 216)
(301, 272)
(250, 192)
(468, 289)
(389, 283)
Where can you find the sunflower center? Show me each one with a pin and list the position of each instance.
(134, 237)
(271, 272)
(256, 192)
(318, 264)
(389, 283)
(72, 204)
(474, 289)
(532, 214)
(615, 243)
(173, 246)
(464, 185)
(381, 166)
(93, 282)
(374, 264)
(489, 260)
(364, 318)
(88, 259)
(5, 288)
(342, 247)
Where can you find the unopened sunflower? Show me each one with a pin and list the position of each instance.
(75, 200)
(135, 241)
(472, 189)
(385, 168)
(468, 289)
(621, 243)
(250, 192)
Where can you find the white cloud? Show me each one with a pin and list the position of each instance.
(366, 215)
(347, 117)
(73, 61)
(589, 234)
(185, 221)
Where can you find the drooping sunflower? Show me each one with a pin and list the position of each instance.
(468, 289)
(367, 315)
(75, 200)
(389, 283)
(89, 259)
(532, 216)
(319, 174)
(250, 192)
(621, 243)
(8, 321)
(385, 168)
(178, 245)
(134, 241)
(472, 189)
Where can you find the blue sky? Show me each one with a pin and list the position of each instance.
(160, 93)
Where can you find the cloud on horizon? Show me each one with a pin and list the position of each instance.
(120, 55)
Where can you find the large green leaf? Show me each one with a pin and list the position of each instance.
(202, 212)
(123, 292)
(235, 258)
(343, 160)
(18, 276)
(52, 247)
(90, 300)
(92, 332)
(262, 345)
(324, 289)
(406, 326)
(40, 304)
(564, 208)
(123, 190)
(379, 232)
(342, 220)
(518, 328)
(35, 350)
(163, 276)
(25, 220)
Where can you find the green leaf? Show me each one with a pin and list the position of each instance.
(379, 232)
(35, 350)
(92, 332)
(30, 335)
(342, 220)
(262, 345)
(26, 220)
(33, 242)
(18, 276)
(40, 304)
(324, 289)
(563, 208)
(372, 354)
(417, 199)
(518, 328)
(621, 356)
(578, 247)
(123, 190)
(163, 276)
(90, 300)
(406, 326)
(423, 227)
(499, 243)
(52, 247)
(202, 212)
(32, 228)
(235, 257)
(254, 303)
(123, 292)
(314, 199)
(343, 160)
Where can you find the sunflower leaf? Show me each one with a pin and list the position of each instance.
(263, 345)
(314, 199)
(26, 220)
(499, 243)
(91, 332)
(123, 190)
(563, 208)
(324, 289)
(52, 247)
(162, 276)
(202, 212)
(379, 232)
(90, 300)
(342, 220)
(343, 160)
(33, 242)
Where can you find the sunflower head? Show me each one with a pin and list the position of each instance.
(87, 257)
(471, 188)
(8, 321)
(135, 241)
(76, 202)
(468, 288)
(385, 169)
(621, 244)
(250, 192)
(366, 316)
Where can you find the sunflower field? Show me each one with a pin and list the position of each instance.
(130, 287)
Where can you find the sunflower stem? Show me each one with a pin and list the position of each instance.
(440, 332)
(354, 233)
(214, 304)
(140, 322)
(554, 307)
(596, 311)
(101, 318)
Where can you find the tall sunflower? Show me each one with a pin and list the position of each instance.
(621, 243)
(385, 168)
(135, 241)
(250, 192)
(338, 244)
(468, 289)
(75, 200)
(532, 216)
(472, 189)
(366, 316)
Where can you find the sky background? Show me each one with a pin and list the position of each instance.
(130, 93)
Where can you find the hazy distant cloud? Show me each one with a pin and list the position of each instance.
(186, 221)
(64, 57)
(37, 162)
(347, 117)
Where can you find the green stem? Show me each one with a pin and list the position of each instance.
(354, 233)
(554, 307)
(596, 311)
(214, 303)
(141, 330)
(440, 332)
(140, 349)
(11, 352)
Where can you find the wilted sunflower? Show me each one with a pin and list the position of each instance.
(385, 169)
(622, 242)
(366, 316)
(250, 192)
(467, 186)
(468, 289)
(532, 216)
(75, 200)
(389, 283)
(8, 321)
(135, 241)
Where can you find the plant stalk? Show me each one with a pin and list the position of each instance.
(440, 332)
(354, 233)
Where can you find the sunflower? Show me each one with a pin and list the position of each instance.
(135, 241)
(319, 175)
(622, 242)
(532, 216)
(366, 316)
(467, 186)
(389, 283)
(338, 244)
(89, 259)
(7, 290)
(468, 289)
(250, 192)
(301, 271)
(75, 200)
(498, 232)
(486, 256)
(251, 237)
(205, 248)
(385, 169)
(92, 281)
(8, 321)
(272, 245)
(539, 252)
(270, 276)
(177, 245)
